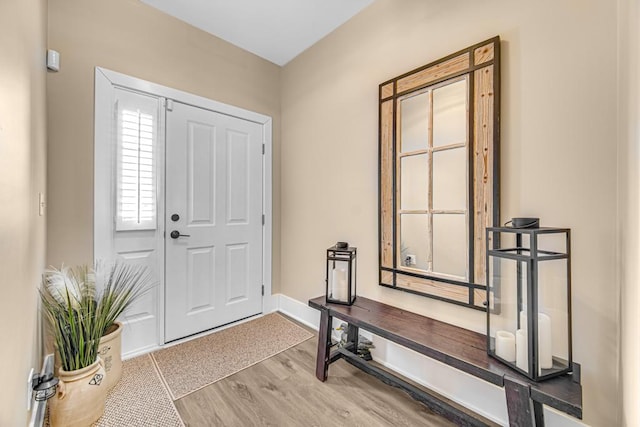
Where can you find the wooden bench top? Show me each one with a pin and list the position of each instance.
(454, 346)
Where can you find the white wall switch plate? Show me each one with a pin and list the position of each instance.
(41, 204)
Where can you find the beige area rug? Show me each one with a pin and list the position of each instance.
(140, 399)
(192, 365)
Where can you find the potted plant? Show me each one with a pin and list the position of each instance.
(121, 285)
(82, 305)
(70, 305)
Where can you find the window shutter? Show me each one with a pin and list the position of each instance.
(136, 161)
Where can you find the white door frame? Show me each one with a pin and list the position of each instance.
(104, 195)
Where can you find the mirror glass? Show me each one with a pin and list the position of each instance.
(450, 244)
(414, 123)
(433, 179)
(450, 114)
(414, 176)
(450, 179)
(414, 249)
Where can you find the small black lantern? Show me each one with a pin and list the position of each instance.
(44, 386)
(529, 299)
(341, 274)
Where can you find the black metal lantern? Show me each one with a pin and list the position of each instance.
(44, 386)
(529, 299)
(341, 274)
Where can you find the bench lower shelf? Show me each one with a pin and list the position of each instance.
(435, 404)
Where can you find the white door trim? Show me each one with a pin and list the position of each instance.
(105, 81)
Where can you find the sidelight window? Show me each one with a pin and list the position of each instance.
(137, 123)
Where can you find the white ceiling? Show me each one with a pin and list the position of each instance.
(276, 30)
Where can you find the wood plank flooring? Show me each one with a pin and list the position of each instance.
(283, 391)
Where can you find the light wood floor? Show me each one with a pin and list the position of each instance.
(283, 391)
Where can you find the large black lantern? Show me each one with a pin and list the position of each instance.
(341, 274)
(529, 299)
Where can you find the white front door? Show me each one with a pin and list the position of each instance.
(213, 229)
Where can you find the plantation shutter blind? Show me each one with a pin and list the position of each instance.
(136, 160)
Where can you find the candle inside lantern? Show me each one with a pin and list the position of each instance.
(522, 354)
(339, 283)
(544, 341)
(506, 346)
(544, 338)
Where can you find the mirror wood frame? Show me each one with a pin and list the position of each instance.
(480, 64)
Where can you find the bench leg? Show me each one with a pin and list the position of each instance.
(538, 412)
(324, 345)
(522, 410)
(352, 336)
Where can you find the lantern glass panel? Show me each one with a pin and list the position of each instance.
(338, 280)
(553, 319)
(508, 335)
(353, 278)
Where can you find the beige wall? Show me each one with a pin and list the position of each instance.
(22, 177)
(629, 204)
(133, 38)
(558, 150)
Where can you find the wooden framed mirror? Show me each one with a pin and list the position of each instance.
(439, 129)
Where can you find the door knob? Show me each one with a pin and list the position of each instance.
(175, 234)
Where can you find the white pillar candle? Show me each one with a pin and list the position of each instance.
(544, 338)
(506, 346)
(544, 341)
(522, 355)
(339, 282)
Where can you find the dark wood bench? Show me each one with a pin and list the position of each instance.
(452, 345)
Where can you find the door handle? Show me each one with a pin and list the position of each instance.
(175, 234)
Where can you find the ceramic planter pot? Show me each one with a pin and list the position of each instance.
(80, 398)
(110, 351)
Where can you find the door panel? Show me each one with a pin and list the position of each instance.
(144, 308)
(237, 178)
(202, 172)
(200, 273)
(214, 184)
(237, 272)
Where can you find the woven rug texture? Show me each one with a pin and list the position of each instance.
(139, 399)
(192, 365)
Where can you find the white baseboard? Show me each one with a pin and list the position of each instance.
(477, 395)
(299, 311)
(270, 303)
(140, 351)
(303, 313)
